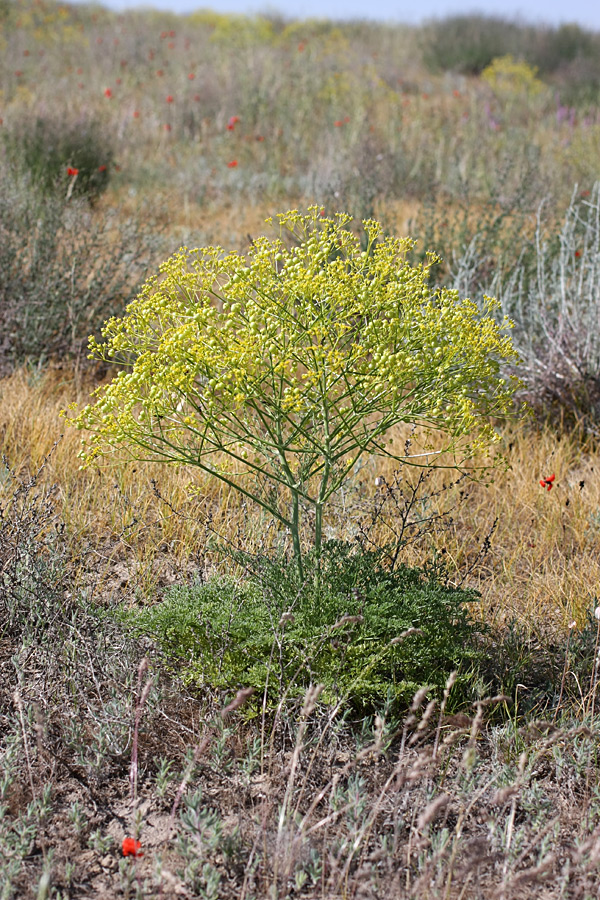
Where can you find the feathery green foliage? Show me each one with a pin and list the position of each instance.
(369, 634)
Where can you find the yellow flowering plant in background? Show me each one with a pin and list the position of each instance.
(277, 371)
(512, 79)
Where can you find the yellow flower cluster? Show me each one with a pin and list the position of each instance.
(296, 359)
(510, 78)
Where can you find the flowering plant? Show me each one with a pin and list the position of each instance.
(131, 847)
(276, 372)
(547, 482)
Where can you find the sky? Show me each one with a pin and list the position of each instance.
(552, 12)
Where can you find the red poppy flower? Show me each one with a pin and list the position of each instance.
(232, 164)
(301, 46)
(230, 127)
(170, 98)
(456, 93)
(136, 114)
(578, 253)
(167, 127)
(102, 168)
(197, 98)
(131, 847)
(191, 76)
(547, 482)
(80, 71)
(338, 124)
(346, 119)
(71, 171)
(108, 93)
(159, 72)
(171, 34)
(171, 45)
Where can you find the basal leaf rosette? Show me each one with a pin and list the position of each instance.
(292, 362)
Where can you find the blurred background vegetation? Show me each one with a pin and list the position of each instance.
(125, 136)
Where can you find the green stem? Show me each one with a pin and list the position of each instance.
(180, 456)
(324, 480)
(289, 477)
(295, 529)
(318, 541)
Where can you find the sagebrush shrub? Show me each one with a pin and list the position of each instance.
(548, 283)
(63, 270)
(51, 150)
(552, 296)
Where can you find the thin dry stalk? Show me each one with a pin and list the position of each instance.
(19, 704)
(142, 696)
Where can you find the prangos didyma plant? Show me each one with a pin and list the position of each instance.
(276, 372)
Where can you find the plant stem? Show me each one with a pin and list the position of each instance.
(295, 529)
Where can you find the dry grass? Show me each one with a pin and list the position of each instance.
(303, 803)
